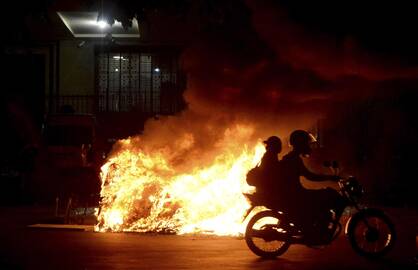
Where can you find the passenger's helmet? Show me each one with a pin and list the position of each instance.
(273, 143)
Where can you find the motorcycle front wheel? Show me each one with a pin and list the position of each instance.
(371, 233)
(265, 236)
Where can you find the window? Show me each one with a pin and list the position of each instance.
(133, 81)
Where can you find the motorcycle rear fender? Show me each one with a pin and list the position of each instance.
(347, 225)
(360, 214)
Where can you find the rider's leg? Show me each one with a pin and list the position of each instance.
(330, 199)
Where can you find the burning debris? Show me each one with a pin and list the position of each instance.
(147, 189)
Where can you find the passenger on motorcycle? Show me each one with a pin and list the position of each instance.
(269, 168)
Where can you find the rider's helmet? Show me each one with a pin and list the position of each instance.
(301, 141)
(273, 143)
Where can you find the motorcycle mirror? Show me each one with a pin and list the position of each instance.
(327, 164)
(335, 164)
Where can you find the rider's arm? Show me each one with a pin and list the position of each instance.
(313, 176)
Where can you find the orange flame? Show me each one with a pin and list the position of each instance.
(142, 191)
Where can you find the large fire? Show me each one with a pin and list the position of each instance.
(142, 190)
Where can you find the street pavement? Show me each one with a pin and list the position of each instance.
(34, 248)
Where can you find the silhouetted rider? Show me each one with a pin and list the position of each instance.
(270, 159)
(305, 204)
(269, 167)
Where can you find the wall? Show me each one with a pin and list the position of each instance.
(76, 68)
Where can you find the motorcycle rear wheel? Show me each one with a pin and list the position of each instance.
(261, 234)
(371, 233)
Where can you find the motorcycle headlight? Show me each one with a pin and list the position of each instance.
(353, 187)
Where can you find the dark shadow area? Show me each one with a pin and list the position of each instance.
(376, 140)
(21, 115)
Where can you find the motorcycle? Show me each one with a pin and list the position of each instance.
(271, 232)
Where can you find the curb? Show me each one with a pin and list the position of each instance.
(69, 227)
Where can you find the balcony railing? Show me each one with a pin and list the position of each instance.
(84, 104)
(93, 104)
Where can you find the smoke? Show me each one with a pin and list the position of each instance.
(329, 56)
(261, 69)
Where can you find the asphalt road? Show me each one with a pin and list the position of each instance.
(24, 248)
(88, 250)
